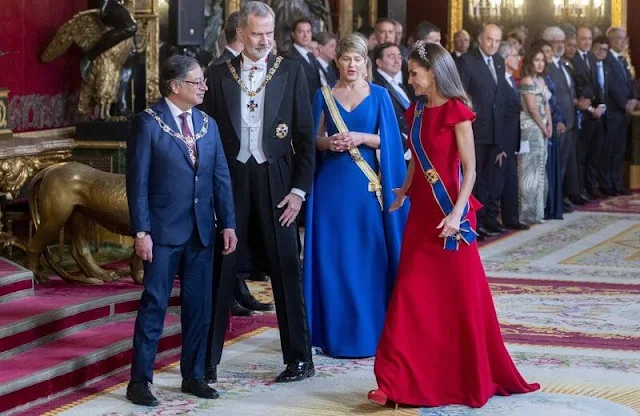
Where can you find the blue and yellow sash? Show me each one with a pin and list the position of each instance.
(466, 233)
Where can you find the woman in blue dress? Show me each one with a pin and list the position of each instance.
(352, 243)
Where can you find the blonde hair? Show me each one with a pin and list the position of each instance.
(352, 43)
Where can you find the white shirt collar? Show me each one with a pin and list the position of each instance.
(614, 53)
(247, 60)
(459, 54)
(583, 53)
(325, 64)
(556, 60)
(396, 79)
(303, 51)
(233, 51)
(175, 111)
(484, 56)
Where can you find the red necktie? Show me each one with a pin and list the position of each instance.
(188, 138)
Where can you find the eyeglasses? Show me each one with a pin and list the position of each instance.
(196, 83)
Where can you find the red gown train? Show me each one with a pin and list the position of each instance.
(441, 342)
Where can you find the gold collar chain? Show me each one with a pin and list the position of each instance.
(169, 130)
(244, 88)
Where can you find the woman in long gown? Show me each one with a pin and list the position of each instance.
(536, 129)
(352, 243)
(441, 342)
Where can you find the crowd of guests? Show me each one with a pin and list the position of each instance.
(403, 158)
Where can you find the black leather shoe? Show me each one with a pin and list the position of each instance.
(494, 226)
(596, 194)
(567, 207)
(138, 392)
(577, 200)
(518, 226)
(199, 388)
(486, 232)
(239, 310)
(211, 374)
(246, 299)
(258, 277)
(624, 192)
(609, 192)
(296, 371)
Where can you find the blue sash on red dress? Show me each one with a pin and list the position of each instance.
(466, 233)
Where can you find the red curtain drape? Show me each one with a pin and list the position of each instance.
(42, 95)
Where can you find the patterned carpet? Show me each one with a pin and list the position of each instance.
(568, 298)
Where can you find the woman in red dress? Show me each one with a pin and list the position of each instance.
(441, 343)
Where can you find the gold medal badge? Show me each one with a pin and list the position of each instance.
(282, 131)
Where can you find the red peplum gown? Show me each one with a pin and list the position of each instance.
(441, 342)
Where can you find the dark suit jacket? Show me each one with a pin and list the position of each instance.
(565, 93)
(310, 71)
(620, 88)
(395, 99)
(286, 103)
(490, 100)
(585, 76)
(167, 195)
(330, 74)
(511, 124)
(226, 55)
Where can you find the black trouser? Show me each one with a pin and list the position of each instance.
(257, 190)
(505, 195)
(589, 149)
(485, 189)
(613, 149)
(569, 163)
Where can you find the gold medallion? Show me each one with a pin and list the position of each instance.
(432, 176)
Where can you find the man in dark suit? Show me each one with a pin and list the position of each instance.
(506, 169)
(482, 72)
(268, 140)
(327, 43)
(177, 179)
(587, 88)
(621, 102)
(388, 74)
(566, 97)
(234, 45)
(461, 43)
(299, 52)
(600, 50)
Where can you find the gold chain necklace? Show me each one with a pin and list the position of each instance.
(244, 88)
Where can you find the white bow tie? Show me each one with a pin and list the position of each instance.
(253, 66)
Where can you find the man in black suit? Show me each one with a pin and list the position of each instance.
(268, 140)
(621, 102)
(299, 52)
(567, 100)
(461, 43)
(327, 43)
(482, 73)
(587, 88)
(506, 169)
(234, 44)
(388, 74)
(385, 32)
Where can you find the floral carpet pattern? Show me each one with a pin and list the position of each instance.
(567, 294)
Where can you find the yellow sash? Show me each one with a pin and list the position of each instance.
(374, 179)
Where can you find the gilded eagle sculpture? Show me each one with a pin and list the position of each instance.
(106, 35)
(69, 195)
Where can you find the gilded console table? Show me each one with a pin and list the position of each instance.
(20, 159)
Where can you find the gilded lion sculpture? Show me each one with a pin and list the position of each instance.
(70, 195)
(85, 30)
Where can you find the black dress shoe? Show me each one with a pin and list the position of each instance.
(258, 277)
(485, 232)
(596, 194)
(567, 207)
(239, 310)
(518, 226)
(246, 299)
(609, 192)
(138, 392)
(577, 200)
(296, 371)
(624, 192)
(494, 226)
(199, 388)
(211, 374)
